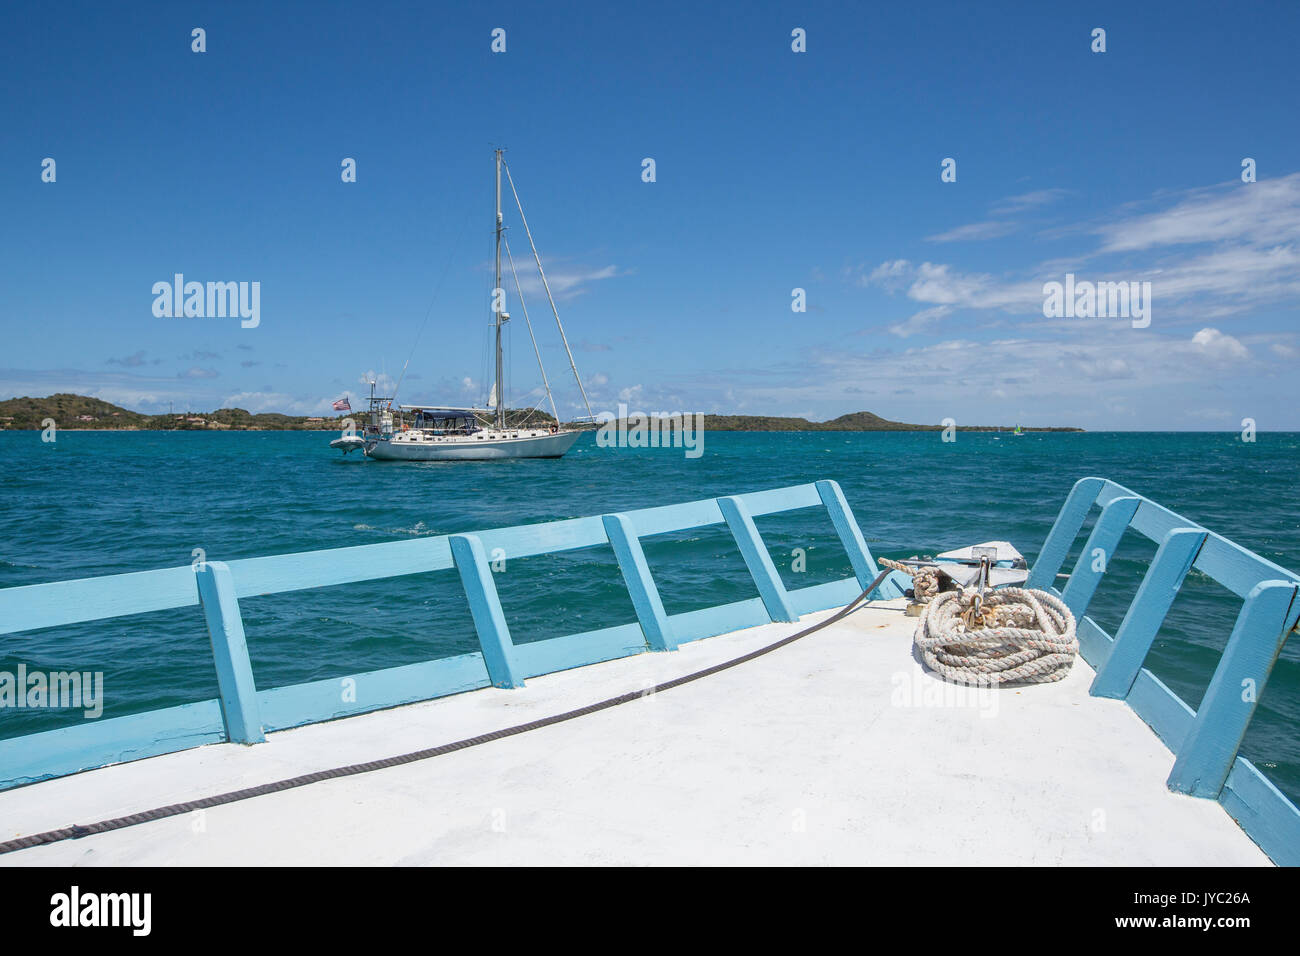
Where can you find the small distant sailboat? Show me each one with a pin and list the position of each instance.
(451, 433)
(1018, 432)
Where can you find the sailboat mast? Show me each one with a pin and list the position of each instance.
(496, 290)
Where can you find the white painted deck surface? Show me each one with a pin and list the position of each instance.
(827, 751)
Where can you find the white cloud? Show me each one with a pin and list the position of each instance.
(1219, 346)
(1253, 259)
(1087, 376)
(134, 360)
(888, 274)
(384, 383)
(1264, 212)
(991, 229)
(1030, 200)
(1097, 367)
(920, 321)
(1239, 277)
(565, 282)
(256, 402)
(939, 284)
(1004, 210)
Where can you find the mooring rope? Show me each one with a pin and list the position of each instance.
(925, 578)
(1008, 635)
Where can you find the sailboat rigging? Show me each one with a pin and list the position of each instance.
(451, 433)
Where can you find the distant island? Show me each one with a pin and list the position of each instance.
(853, 422)
(80, 412)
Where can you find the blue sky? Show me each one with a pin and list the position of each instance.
(775, 170)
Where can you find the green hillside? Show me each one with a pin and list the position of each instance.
(71, 412)
(68, 411)
(81, 412)
(854, 422)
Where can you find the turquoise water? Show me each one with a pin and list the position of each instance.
(101, 503)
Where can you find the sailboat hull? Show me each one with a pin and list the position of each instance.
(460, 449)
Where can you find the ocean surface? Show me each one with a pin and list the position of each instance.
(97, 503)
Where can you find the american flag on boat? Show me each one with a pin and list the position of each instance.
(342, 405)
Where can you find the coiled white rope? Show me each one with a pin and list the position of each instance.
(1012, 634)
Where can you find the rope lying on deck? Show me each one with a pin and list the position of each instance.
(204, 803)
(925, 579)
(1014, 634)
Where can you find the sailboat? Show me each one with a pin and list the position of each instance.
(455, 433)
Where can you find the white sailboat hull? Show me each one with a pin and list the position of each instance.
(471, 448)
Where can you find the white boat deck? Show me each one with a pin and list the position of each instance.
(836, 749)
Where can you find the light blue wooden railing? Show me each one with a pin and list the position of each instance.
(1205, 741)
(244, 714)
